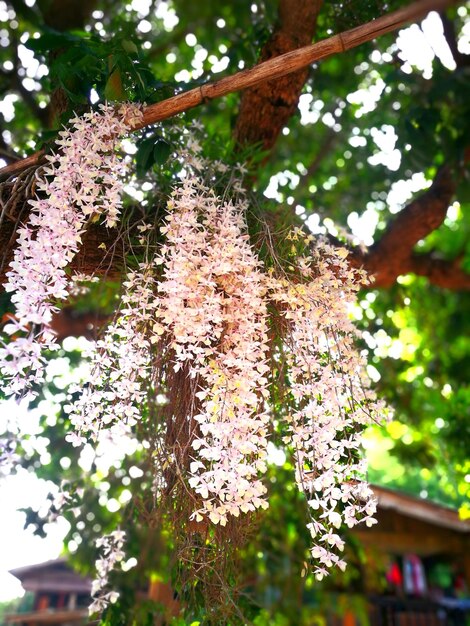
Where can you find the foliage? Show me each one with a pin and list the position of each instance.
(10, 606)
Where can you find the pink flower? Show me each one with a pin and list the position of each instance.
(84, 180)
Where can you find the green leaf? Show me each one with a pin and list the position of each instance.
(153, 150)
(51, 41)
(114, 89)
(129, 46)
(161, 151)
(145, 157)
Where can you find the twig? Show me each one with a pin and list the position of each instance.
(325, 148)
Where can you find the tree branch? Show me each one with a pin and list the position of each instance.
(271, 69)
(417, 219)
(440, 272)
(393, 254)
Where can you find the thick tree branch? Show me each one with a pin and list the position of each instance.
(393, 254)
(271, 69)
(266, 108)
(416, 220)
(440, 272)
(20, 165)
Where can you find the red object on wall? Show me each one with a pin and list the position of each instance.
(394, 576)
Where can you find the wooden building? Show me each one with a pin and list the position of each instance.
(60, 595)
(407, 524)
(416, 573)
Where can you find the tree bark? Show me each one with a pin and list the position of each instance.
(66, 14)
(394, 253)
(266, 108)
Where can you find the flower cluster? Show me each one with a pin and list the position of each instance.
(203, 302)
(212, 302)
(120, 364)
(83, 181)
(196, 315)
(190, 304)
(112, 553)
(329, 399)
(233, 420)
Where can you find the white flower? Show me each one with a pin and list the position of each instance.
(85, 179)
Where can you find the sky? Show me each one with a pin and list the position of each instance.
(18, 546)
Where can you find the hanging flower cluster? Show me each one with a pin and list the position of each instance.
(330, 401)
(120, 365)
(212, 303)
(112, 554)
(83, 181)
(193, 325)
